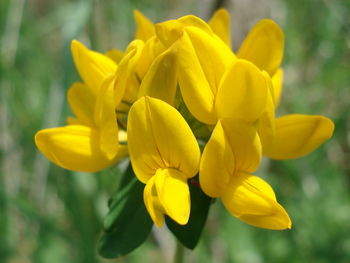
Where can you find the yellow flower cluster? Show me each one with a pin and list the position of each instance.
(179, 102)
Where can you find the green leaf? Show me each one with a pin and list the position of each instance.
(127, 225)
(189, 234)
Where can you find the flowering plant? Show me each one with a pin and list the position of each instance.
(193, 117)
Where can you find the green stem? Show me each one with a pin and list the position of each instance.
(179, 254)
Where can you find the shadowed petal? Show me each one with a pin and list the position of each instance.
(82, 103)
(161, 79)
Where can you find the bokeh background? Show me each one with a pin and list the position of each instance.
(50, 215)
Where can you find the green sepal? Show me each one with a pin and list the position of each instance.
(190, 233)
(127, 225)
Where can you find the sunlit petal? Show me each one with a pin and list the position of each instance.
(92, 66)
(220, 24)
(277, 81)
(264, 46)
(217, 163)
(253, 201)
(243, 92)
(297, 135)
(144, 27)
(106, 119)
(159, 137)
(73, 147)
(174, 194)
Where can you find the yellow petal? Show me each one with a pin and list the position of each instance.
(126, 83)
(220, 24)
(194, 21)
(233, 146)
(152, 203)
(93, 67)
(298, 135)
(168, 32)
(82, 103)
(242, 93)
(253, 201)
(277, 81)
(144, 27)
(174, 194)
(193, 83)
(266, 124)
(159, 137)
(152, 49)
(115, 54)
(245, 144)
(73, 147)
(161, 79)
(217, 163)
(106, 118)
(213, 54)
(264, 46)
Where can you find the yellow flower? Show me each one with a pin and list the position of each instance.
(231, 155)
(90, 141)
(89, 146)
(164, 154)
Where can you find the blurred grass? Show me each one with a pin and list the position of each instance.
(48, 214)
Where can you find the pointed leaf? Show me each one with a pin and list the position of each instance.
(190, 233)
(127, 224)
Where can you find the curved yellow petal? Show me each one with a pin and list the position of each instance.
(144, 27)
(73, 147)
(264, 46)
(195, 88)
(213, 54)
(233, 146)
(161, 79)
(158, 137)
(242, 93)
(126, 83)
(245, 144)
(194, 21)
(220, 24)
(253, 201)
(82, 103)
(277, 81)
(106, 118)
(266, 123)
(152, 49)
(115, 54)
(174, 194)
(168, 32)
(92, 66)
(152, 203)
(217, 163)
(297, 135)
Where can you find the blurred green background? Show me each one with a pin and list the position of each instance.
(51, 215)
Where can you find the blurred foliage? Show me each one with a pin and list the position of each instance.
(51, 215)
